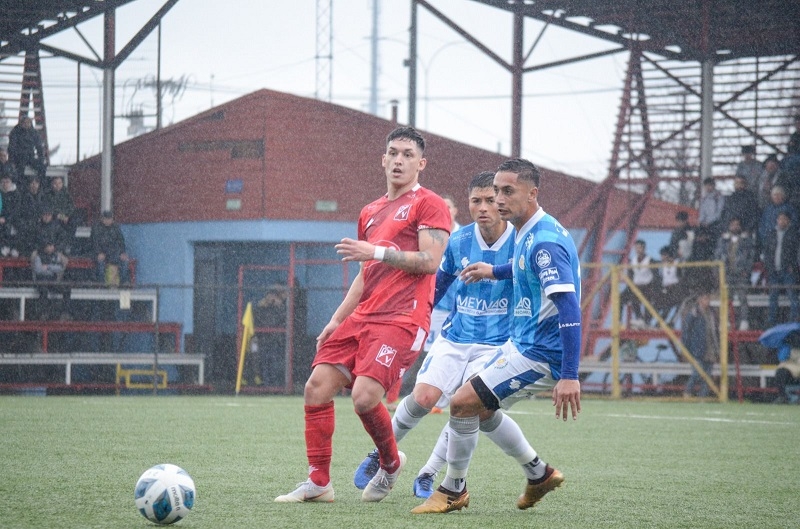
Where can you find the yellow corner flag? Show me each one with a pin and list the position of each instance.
(248, 331)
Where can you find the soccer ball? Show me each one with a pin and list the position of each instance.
(164, 494)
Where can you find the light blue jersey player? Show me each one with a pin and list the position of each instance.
(480, 311)
(545, 263)
(479, 323)
(543, 351)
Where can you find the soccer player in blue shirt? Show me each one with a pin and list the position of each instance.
(544, 349)
(479, 323)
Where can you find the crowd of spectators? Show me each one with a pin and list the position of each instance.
(753, 231)
(39, 220)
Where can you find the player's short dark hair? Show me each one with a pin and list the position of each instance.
(524, 170)
(482, 179)
(407, 133)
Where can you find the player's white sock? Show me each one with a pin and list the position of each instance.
(407, 416)
(507, 434)
(462, 440)
(439, 455)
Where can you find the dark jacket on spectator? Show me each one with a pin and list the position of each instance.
(743, 205)
(61, 202)
(108, 239)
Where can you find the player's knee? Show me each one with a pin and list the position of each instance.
(426, 396)
(364, 401)
(465, 403)
(318, 389)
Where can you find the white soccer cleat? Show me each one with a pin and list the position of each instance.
(308, 491)
(379, 486)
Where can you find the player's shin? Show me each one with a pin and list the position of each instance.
(409, 413)
(462, 441)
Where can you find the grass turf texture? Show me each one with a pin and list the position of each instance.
(72, 462)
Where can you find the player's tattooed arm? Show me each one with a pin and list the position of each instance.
(432, 243)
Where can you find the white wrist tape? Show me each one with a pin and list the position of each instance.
(380, 253)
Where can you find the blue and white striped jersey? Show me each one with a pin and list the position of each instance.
(482, 311)
(545, 262)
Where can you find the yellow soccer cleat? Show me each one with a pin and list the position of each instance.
(442, 501)
(535, 492)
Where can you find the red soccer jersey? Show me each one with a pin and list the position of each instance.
(391, 294)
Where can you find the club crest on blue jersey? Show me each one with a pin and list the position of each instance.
(543, 258)
(501, 363)
(522, 262)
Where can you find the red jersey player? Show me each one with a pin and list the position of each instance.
(379, 329)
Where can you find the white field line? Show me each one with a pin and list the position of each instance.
(667, 417)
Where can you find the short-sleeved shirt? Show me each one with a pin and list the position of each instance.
(545, 262)
(482, 310)
(390, 294)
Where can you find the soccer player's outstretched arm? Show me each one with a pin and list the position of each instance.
(346, 308)
(432, 243)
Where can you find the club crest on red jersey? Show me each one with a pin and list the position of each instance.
(386, 355)
(402, 212)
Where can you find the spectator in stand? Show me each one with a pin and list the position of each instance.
(710, 210)
(682, 237)
(109, 249)
(772, 176)
(672, 290)
(25, 149)
(48, 266)
(50, 229)
(59, 199)
(742, 204)
(700, 334)
(9, 217)
(31, 205)
(703, 248)
(781, 247)
(737, 249)
(6, 167)
(749, 168)
(769, 215)
(644, 278)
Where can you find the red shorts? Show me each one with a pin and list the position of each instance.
(377, 350)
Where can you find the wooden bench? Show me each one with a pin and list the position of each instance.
(70, 359)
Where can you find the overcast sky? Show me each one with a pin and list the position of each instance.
(223, 50)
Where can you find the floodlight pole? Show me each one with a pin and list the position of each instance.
(107, 161)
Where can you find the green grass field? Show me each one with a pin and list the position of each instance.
(72, 462)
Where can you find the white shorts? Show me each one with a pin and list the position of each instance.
(437, 320)
(512, 377)
(448, 365)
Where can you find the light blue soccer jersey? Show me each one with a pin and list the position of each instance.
(545, 262)
(482, 311)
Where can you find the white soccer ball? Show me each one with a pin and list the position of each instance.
(164, 494)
